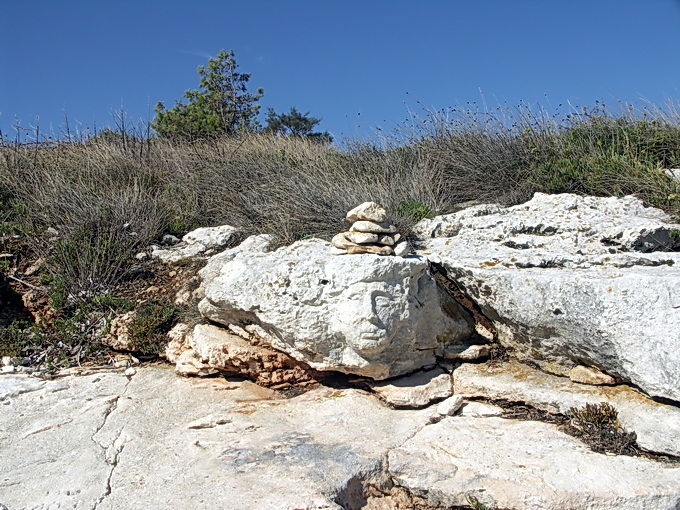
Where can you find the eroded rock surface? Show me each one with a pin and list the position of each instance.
(146, 438)
(571, 280)
(524, 465)
(203, 241)
(209, 350)
(657, 425)
(372, 316)
(157, 441)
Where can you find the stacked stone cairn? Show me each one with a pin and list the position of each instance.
(372, 231)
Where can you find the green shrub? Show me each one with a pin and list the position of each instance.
(598, 426)
(413, 210)
(12, 338)
(148, 327)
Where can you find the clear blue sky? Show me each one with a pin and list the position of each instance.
(359, 64)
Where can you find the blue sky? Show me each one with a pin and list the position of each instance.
(358, 64)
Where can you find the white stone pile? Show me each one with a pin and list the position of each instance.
(372, 231)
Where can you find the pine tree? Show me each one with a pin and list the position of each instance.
(221, 105)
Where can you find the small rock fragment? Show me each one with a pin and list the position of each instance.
(471, 353)
(340, 241)
(376, 228)
(378, 250)
(388, 240)
(417, 390)
(169, 240)
(449, 406)
(362, 237)
(480, 410)
(401, 249)
(368, 211)
(590, 375)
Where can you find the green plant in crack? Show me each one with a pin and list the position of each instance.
(148, 327)
(598, 426)
(475, 504)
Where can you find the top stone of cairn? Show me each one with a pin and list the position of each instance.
(368, 211)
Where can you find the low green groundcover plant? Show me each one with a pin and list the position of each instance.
(598, 426)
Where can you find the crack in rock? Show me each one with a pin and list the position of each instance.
(111, 452)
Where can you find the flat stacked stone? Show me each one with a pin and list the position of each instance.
(372, 231)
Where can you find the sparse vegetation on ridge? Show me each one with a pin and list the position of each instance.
(87, 207)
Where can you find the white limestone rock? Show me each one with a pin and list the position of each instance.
(464, 352)
(388, 240)
(673, 173)
(479, 409)
(199, 242)
(572, 280)
(657, 425)
(416, 390)
(450, 406)
(373, 316)
(157, 441)
(590, 375)
(362, 237)
(401, 249)
(254, 244)
(519, 464)
(372, 227)
(368, 211)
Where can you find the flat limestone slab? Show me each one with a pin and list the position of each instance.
(526, 465)
(158, 441)
(50, 456)
(657, 425)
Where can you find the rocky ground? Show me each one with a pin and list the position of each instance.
(511, 362)
(145, 438)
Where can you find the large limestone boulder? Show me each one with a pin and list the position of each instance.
(373, 316)
(570, 280)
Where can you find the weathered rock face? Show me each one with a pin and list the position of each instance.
(148, 439)
(210, 350)
(571, 280)
(158, 441)
(657, 425)
(200, 242)
(373, 316)
(515, 464)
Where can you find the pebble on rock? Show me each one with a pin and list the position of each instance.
(370, 226)
(589, 375)
(368, 211)
(371, 232)
(367, 248)
(340, 241)
(362, 237)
